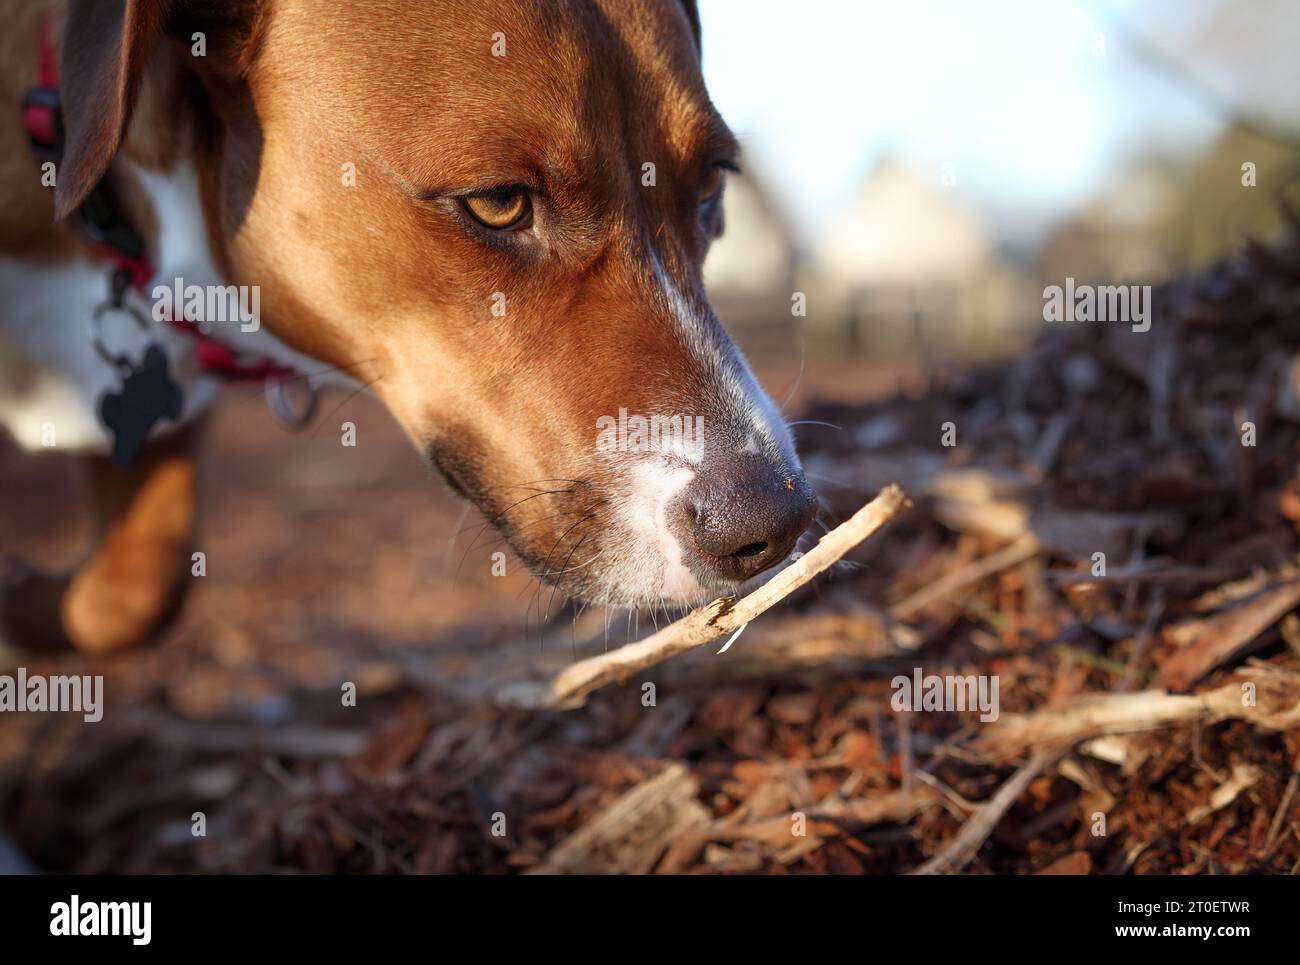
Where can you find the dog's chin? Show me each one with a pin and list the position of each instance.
(619, 591)
(603, 563)
(625, 575)
(616, 569)
(611, 544)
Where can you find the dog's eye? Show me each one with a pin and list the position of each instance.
(501, 209)
(710, 197)
(712, 185)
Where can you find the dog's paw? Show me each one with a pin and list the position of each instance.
(96, 610)
(114, 604)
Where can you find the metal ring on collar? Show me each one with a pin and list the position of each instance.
(97, 331)
(277, 399)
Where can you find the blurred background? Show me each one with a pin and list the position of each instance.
(920, 171)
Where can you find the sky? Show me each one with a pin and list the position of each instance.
(1028, 104)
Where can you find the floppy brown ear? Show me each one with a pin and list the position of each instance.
(105, 46)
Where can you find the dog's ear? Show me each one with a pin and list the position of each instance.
(693, 17)
(105, 46)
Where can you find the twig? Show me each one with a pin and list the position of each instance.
(958, 852)
(1162, 576)
(1285, 805)
(302, 741)
(1271, 701)
(905, 750)
(1017, 552)
(1143, 642)
(1049, 443)
(956, 801)
(1227, 633)
(570, 687)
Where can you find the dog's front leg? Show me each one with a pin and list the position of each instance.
(139, 565)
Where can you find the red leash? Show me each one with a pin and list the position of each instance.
(38, 119)
(116, 241)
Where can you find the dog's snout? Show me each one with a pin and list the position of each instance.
(744, 516)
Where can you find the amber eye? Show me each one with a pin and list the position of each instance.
(712, 184)
(500, 208)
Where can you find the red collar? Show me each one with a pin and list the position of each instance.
(111, 233)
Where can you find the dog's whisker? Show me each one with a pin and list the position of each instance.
(563, 570)
(803, 356)
(834, 482)
(814, 422)
(824, 509)
(529, 485)
(497, 518)
(546, 566)
(451, 542)
(496, 521)
(499, 539)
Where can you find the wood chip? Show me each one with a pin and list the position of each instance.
(630, 835)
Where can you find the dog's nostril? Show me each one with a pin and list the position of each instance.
(750, 549)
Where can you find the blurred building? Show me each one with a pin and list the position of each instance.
(1165, 213)
(1114, 237)
(908, 268)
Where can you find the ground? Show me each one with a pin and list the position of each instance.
(329, 566)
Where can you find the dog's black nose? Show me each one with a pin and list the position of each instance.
(743, 516)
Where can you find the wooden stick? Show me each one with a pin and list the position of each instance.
(1284, 808)
(570, 687)
(1271, 701)
(1170, 575)
(1017, 552)
(958, 852)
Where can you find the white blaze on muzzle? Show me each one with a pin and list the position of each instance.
(647, 561)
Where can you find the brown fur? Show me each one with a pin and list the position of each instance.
(385, 279)
(392, 280)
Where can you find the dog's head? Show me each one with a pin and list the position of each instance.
(496, 214)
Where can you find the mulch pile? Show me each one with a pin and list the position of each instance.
(1115, 529)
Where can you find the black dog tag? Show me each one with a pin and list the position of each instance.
(148, 394)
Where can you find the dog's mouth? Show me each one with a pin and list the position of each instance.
(560, 529)
(656, 532)
(547, 522)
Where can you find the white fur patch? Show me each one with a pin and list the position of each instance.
(185, 254)
(651, 564)
(648, 563)
(51, 378)
(739, 392)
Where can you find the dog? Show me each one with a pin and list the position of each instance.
(493, 215)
